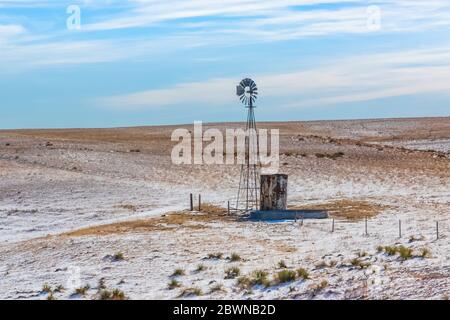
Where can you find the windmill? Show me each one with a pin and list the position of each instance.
(247, 198)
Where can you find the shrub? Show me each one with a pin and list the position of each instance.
(115, 294)
(178, 272)
(358, 263)
(260, 278)
(390, 251)
(380, 249)
(216, 255)
(51, 296)
(244, 282)
(425, 253)
(319, 287)
(190, 292)
(118, 256)
(101, 284)
(322, 264)
(405, 253)
(46, 288)
(173, 284)
(235, 257)
(282, 264)
(362, 254)
(59, 288)
(216, 288)
(200, 268)
(82, 290)
(105, 294)
(303, 273)
(323, 284)
(232, 273)
(286, 276)
(336, 155)
(118, 295)
(320, 155)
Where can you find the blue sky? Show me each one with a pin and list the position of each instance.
(168, 62)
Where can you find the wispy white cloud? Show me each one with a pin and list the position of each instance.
(361, 78)
(10, 30)
(216, 23)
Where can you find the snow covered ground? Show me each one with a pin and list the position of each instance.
(73, 202)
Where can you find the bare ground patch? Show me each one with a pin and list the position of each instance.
(169, 221)
(347, 209)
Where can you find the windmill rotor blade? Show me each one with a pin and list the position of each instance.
(247, 91)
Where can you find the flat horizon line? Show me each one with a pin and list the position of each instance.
(229, 122)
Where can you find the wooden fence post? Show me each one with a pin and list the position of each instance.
(437, 230)
(332, 226)
(366, 227)
(228, 206)
(192, 202)
(399, 228)
(199, 202)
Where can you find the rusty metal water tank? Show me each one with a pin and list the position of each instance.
(274, 192)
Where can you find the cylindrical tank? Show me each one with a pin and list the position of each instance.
(274, 192)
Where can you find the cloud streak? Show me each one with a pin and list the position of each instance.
(210, 23)
(359, 78)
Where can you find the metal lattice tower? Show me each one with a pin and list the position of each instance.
(247, 198)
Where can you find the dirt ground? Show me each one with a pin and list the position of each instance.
(72, 199)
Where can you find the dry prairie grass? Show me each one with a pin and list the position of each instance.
(212, 209)
(347, 209)
(165, 223)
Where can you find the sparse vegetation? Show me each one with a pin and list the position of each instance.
(282, 264)
(216, 255)
(286, 276)
(319, 287)
(405, 253)
(51, 296)
(232, 273)
(320, 155)
(59, 288)
(390, 250)
(200, 267)
(260, 278)
(178, 272)
(82, 290)
(235, 257)
(356, 262)
(413, 239)
(302, 273)
(362, 254)
(332, 156)
(191, 292)
(244, 282)
(118, 256)
(101, 284)
(115, 294)
(217, 288)
(118, 294)
(321, 264)
(212, 209)
(173, 284)
(129, 207)
(425, 253)
(46, 288)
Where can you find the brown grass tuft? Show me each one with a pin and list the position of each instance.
(347, 209)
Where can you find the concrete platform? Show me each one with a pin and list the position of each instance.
(288, 215)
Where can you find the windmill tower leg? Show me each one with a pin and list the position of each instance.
(247, 198)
